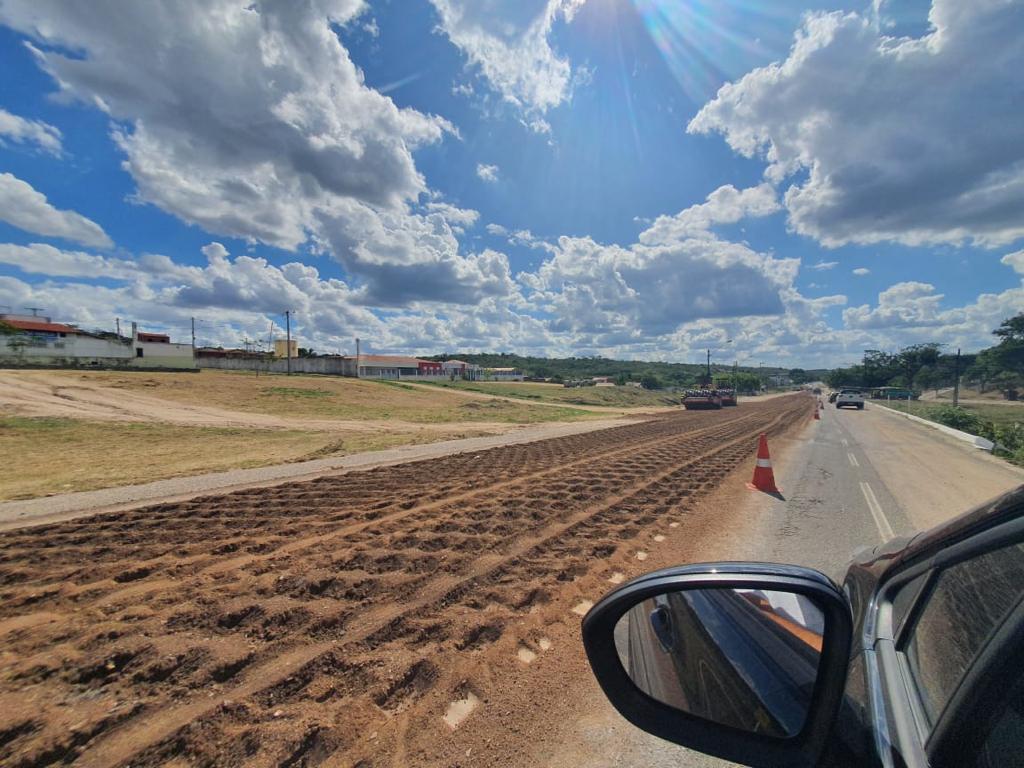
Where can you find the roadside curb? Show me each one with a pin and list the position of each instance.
(980, 443)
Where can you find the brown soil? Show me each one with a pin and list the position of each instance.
(335, 621)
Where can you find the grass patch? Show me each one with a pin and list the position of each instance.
(294, 392)
(997, 413)
(44, 456)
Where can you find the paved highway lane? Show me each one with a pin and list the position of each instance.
(853, 479)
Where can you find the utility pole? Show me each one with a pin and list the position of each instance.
(709, 366)
(35, 310)
(956, 380)
(288, 339)
(117, 324)
(193, 337)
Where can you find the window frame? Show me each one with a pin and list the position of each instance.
(919, 742)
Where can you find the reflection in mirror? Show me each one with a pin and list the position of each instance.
(743, 658)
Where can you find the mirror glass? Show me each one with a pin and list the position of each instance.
(743, 658)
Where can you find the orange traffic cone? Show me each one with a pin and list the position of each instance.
(817, 415)
(764, 478)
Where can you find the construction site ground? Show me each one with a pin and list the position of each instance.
(425, 613)
(115, 428)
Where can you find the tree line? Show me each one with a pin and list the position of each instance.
(922, 367)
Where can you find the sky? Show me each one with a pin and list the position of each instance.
(786, 182)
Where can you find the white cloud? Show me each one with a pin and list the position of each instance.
(679, 272)
(396, 259)
(23, 131)
(487, 172)
(912, 312)
(861, 271)
(823, 265)
(910, 140)
(24, 207)
(459, 219)
(903, 304)
(726, 205)
(1015, 261)
(510, 45)
(331, 158)
(42, 259)
(496, 229)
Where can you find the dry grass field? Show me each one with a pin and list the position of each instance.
(319, 397)
(63, 431)
(46, 455)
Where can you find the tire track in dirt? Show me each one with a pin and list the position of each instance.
(328, 615)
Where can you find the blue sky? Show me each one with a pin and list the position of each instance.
(632, 178)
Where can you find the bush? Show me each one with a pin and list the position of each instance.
(955, 417)
(1009, 438)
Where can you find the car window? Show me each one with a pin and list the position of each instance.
(1002, 745)
(967, 604)
(904, 601)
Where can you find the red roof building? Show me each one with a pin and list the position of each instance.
(41, 326)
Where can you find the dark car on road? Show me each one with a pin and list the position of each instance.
(917, 660)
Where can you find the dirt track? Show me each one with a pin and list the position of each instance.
(333, 621)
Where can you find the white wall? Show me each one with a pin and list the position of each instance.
(74, 350)
(157, 354)
(25, 349)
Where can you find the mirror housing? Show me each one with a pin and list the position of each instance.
(672, 724)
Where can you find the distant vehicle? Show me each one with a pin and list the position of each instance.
(914, 662)
(850, 398)
(728, 396)
(816, 391)
(702, 400)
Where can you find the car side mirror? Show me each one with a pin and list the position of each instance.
(743, 661)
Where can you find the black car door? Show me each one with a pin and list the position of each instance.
(950, 676)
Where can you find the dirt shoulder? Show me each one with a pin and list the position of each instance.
(68, 506)
(398, 616)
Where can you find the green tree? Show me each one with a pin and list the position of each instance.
(650, 381)
(926, 378)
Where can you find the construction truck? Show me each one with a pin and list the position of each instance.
(702, 400)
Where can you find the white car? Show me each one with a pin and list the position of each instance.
(851, 398)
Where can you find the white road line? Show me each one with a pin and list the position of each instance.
(876, 512)
(853, 460)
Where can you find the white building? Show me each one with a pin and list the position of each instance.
(460, 369)
(39, 342)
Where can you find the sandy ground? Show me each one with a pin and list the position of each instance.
(420, 614)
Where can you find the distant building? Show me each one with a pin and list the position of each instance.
(602, 381)
(397, 367)
(39, 342)
(286, 348)
(502, 374)
(460, 369)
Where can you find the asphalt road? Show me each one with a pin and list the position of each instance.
(853, 479)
